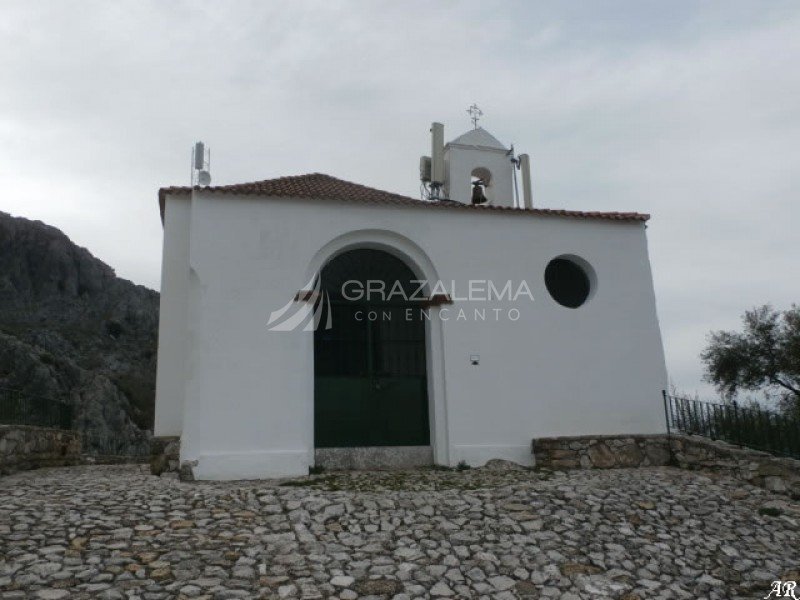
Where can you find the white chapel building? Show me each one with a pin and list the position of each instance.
(309, 321)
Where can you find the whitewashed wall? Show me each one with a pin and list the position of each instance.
(248, 409)
(172, 324)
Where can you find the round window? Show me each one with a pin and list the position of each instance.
(567, 281)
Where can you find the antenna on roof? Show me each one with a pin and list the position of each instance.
(431, 168)
(201, 165)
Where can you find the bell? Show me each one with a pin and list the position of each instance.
(478, 197)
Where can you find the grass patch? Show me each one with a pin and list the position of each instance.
(770, 511)
(298, 483)
(438, 468)
(141, 395)
(47, 359)
(429, 478)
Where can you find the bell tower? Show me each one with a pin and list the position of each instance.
(475, 168)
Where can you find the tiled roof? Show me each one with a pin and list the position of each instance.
(325, 187)
(479, 137)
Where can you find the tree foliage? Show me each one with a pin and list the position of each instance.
(765, 356)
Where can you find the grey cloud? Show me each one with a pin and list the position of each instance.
(688, 111)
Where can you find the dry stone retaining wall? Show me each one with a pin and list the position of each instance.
(24, 447)
(601, 452)
(165, 454)
(777, 474)
(781, 475)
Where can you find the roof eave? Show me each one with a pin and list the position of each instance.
(476, 147)
(378, 197)
(162, 197)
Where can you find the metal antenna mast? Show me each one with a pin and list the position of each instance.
(201, 165)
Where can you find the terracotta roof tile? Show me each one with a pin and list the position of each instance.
(325, 187)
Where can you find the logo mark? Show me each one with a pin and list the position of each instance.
(782, 589)
(308, 311)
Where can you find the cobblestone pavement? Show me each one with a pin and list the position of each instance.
(118, 532)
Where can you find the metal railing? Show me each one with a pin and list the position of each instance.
(20, 408)
(750, 426)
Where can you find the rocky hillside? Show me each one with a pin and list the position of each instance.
(70, 329)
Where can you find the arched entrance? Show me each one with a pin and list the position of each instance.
(370, 381)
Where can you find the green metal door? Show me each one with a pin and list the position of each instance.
(370, 386)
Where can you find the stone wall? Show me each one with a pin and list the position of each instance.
(24, 447)
(601, 452)
(780, 475)
(165, 454)
(777, 474)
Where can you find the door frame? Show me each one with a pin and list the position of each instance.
(423, 268)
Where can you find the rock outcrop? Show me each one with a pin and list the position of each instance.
(71, 330)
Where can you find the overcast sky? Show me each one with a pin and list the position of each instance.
(688, 111)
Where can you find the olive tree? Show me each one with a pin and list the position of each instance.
(765, 356)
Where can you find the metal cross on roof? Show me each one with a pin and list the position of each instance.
(474, 113)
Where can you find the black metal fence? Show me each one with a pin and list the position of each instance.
(750, 426)
(21, 408)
